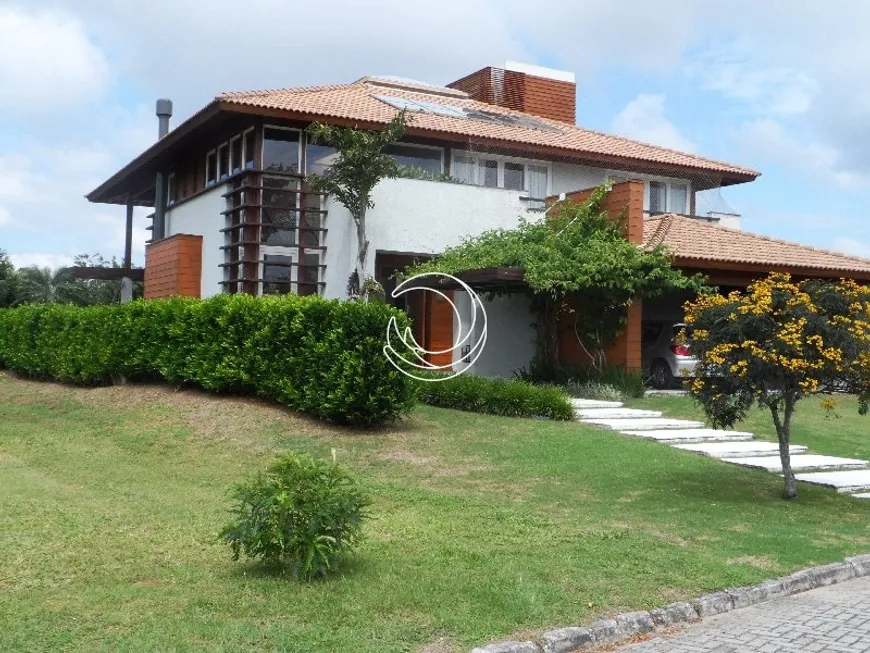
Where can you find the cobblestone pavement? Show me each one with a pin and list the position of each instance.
(835, 619)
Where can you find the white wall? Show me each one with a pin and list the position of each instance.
(730, 220)
(416, 216)
(202, 216)
(511, 336)
(568, 178)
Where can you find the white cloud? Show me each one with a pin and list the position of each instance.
(644, 119)
(52, 261)
(852, 246)
(731, 70)
(47, 63)
(768, 139)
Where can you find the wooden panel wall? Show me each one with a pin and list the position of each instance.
(548, 98)
(173, 266)
(624, 197)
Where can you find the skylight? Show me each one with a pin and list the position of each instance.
(467, 114)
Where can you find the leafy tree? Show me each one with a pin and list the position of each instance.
(360, 165)
(775, 344)
(7, 280)
(578, 264)
(42, 285)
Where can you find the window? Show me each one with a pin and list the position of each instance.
(236, 155)
(318, 158)
(679, 202)
(211, 168)
(514, 176)
(248, 137)
(658, 197)
(277, 274)
(427, 159)
(223, 162)
(170, 190)
(280, 150)
(502, 172)
(488, 173)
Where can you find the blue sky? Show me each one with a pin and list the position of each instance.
(781, 87)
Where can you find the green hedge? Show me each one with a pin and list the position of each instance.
(320, 357)
(514, 398)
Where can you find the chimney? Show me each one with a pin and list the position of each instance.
(164, 113)
(543, 92)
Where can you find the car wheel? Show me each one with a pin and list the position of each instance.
(660, 375)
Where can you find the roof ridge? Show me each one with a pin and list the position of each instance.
(661, 232)
(781, 241)
(229, 95)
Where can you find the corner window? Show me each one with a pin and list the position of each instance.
(318, 158)
(281, 150)
(679, 202)
(668, 197)
(277, 274)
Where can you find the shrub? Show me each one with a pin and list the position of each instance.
(321, 357)
(629, 383)
(514, 398)
(594, 390)
(302, 516)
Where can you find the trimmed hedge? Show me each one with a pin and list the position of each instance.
(514, 398)
(320, 357)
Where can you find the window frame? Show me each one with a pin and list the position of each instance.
(423, 146)
(299, 161)
(171, 190)
(208, 155)
(501, 159)
(620, 175)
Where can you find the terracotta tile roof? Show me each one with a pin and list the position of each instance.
(693, 239)
(358, 101)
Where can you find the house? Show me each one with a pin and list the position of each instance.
(233, 212)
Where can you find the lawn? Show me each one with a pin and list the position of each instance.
(111, 498)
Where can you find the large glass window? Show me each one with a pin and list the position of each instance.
(318, 158)
(280, 198)
(422, 158)
(236, 155)
(281, 150)
(463, 169)
(277, 274)
(223, 162)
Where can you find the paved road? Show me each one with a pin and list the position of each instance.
(832, 619)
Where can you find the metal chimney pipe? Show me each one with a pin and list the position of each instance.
(164, 113)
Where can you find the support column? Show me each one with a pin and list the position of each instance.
(127, 282)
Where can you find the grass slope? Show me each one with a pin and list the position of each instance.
(110, 499)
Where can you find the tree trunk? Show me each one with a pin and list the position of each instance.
(362, 245)
(783, 433)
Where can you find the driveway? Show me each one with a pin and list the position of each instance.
(835, 619)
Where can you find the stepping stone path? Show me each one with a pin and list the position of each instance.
(846, 475)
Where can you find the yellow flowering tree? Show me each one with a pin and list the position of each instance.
(776, 343)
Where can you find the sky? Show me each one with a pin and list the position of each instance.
(781, 86)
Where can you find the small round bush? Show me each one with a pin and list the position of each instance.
(302, 515)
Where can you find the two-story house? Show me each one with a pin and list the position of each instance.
(233, 212)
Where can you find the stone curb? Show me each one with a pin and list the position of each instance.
(630, 624)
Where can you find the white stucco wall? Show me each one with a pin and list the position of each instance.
(511, 336)
(730, 220)
(416, 216)
(568, 178)
(202, 216)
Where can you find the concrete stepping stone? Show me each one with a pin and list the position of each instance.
(642, 423)
(804, 461)
(617, 413)
(695, 435)
(742, 449)
(595, 403)
(856, 480)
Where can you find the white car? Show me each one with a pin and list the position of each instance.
(665, 361)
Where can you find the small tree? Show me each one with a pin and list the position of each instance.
(775, 344)
(578, 255)
(360, 165)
